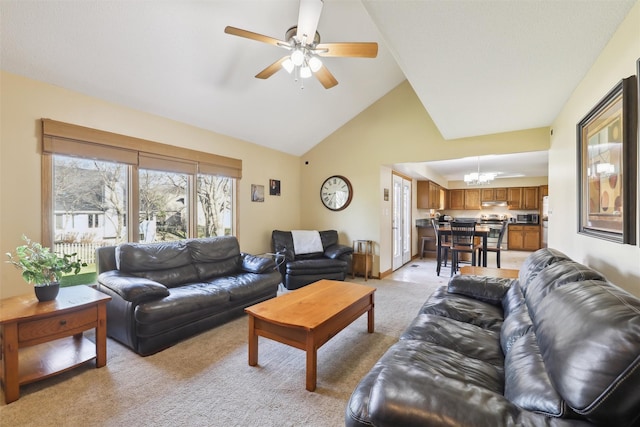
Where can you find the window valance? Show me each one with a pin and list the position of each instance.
(68, 139)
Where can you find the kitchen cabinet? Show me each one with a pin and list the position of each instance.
(456, 199)
(530, 198)
(524, 237)
(472, 199)
(422, 195)
(444, 198)
(501, 194)
(488, 194)
(429, 195)
(514, 197)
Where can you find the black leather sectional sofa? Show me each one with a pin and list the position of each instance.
(559, 346)
(165, 292)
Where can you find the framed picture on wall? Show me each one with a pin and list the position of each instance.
(607, 165)
(274, 187)
(257, 193)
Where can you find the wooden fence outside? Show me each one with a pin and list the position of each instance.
(85, 251)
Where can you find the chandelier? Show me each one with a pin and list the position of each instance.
(477, 178)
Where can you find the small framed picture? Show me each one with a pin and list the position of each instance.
(274, 187)
(257, 193)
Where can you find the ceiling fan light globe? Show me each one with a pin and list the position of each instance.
(315, 63)
(305, 72)
(297, 57)
(288, 65)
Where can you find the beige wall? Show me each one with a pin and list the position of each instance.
(620, 263)
(396, 129)
(24, 102)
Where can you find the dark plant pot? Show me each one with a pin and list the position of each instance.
(47, 293)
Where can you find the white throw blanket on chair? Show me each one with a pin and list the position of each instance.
(306, 241)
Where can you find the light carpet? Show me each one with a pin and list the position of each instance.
(206, 381)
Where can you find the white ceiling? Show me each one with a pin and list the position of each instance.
(516, 165)
(478, 66)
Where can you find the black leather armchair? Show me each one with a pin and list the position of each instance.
(297, 270)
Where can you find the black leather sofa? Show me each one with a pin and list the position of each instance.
(559, 346)
(165, 292)
(331, 261)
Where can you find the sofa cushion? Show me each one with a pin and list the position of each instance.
(464, 338)
(132, 289)
(515, 326)
(536, 262)
(424, 384)
(244, 286)
(558, 274)
(336, 251)
(257, 264)
(513, 299)
(589, 338)
(526, 381)
(316, 266)
(215, 256)
(483, 288)
(167, 263)
(463, 309)
(185, 304)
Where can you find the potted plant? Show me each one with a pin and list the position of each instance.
(43, 268)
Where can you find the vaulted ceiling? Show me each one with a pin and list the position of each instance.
(478, 66)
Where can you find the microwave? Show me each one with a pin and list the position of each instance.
(528, 218)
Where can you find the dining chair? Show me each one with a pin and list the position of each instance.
(442, 245)
(497, 248)
(462, 241)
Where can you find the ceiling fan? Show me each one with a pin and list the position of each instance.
(303, 41)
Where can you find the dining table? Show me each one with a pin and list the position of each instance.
(445, 230)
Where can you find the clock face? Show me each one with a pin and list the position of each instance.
(336, 193)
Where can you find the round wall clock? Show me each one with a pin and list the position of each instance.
(336, 193)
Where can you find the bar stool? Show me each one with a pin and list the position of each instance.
(423, 244)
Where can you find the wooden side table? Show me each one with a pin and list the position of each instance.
(42, 339)
(362, 258)
(504, 273)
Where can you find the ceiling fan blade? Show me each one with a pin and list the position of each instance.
(271, 69)
(356, 49)
(326, 78)
(253, 36)
(308, 17)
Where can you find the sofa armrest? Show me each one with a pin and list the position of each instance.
(256, 264)
(132, 288)
(336, 251)
(484, 288)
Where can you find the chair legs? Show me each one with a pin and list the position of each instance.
(443, 250)
(455, 260)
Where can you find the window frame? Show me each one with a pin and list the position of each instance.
(73, 140)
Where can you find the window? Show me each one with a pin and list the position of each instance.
(164, 212)
(84, 192)
(95, 184)
(215, 205)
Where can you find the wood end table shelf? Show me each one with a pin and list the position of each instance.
(42, 339)
(362, 258)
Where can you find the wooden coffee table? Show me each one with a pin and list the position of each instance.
(308, 317)
(505, 273)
